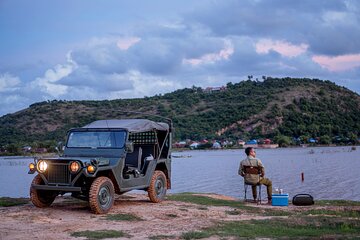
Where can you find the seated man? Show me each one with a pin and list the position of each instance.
(252, 178)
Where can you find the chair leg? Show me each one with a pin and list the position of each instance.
(258, 200)
(245, 189)
(246, 186)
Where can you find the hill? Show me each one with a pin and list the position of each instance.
(248, 109)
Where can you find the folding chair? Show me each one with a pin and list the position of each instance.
(253, 170)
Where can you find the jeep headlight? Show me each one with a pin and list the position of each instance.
(42, 166)
(74, 167)
(32, 167)
(91, 169)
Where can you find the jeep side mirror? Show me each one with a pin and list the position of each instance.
(60, 147)
(129, 147)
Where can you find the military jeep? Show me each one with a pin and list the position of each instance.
(103, 158)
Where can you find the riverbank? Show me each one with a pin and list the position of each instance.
(178, 149)
(181, 216)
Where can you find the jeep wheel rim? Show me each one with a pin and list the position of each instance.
(104, 197)
(159, 186)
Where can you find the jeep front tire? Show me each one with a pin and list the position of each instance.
(101, 195)
(41, 198)
(158, 186)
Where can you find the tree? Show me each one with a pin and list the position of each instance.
(326, 139)
(283, 141)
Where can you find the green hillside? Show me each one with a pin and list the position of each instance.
(248, 109)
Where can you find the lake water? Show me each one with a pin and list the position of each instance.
(329, 172)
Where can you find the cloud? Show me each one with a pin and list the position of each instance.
(329, 27)
(338, 63)
(48, 84)
(146, 85)
(284, 48)
(8, 82)
(126, 43)
(11, 93)
(223, 54)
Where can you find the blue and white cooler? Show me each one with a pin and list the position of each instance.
(280, 199)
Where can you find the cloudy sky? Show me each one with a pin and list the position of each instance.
(110, 49)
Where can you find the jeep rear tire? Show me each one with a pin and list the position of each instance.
(158, 186)
(41, 198)
(101, 195)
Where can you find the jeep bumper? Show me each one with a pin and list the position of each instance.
(56, 188)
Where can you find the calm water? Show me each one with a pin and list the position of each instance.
(330, 173)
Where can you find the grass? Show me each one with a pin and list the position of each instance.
(195, 235)
(337, 203)
(335, 228)
(158, 237)
(338, 213)
(233, 212)
(9, 202)
(208, 201)
(122, 217)
(100, 234)
(339, 223)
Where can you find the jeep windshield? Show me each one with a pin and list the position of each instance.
(96, 139)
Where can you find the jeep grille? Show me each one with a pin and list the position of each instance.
(58, 173)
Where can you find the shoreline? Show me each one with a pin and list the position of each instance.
(288, 147)
(174, 150)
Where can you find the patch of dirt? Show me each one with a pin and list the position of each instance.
(216, 196)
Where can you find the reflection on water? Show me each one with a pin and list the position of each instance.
(329, 173)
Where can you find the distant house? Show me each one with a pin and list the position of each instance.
(214, 89)
(250, 142)
(226, 143)
(26, 149)
(216, 145)
(40, 150)
(180, 144)
(194, 145)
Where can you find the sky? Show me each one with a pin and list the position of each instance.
(118, 49)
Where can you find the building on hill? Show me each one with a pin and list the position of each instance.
(180, 144)
(194, 145)
(26, 149)
(251, 142)
(267, 141)
(214, 89)
(40, 150)
(241, 142)
(216, 145)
